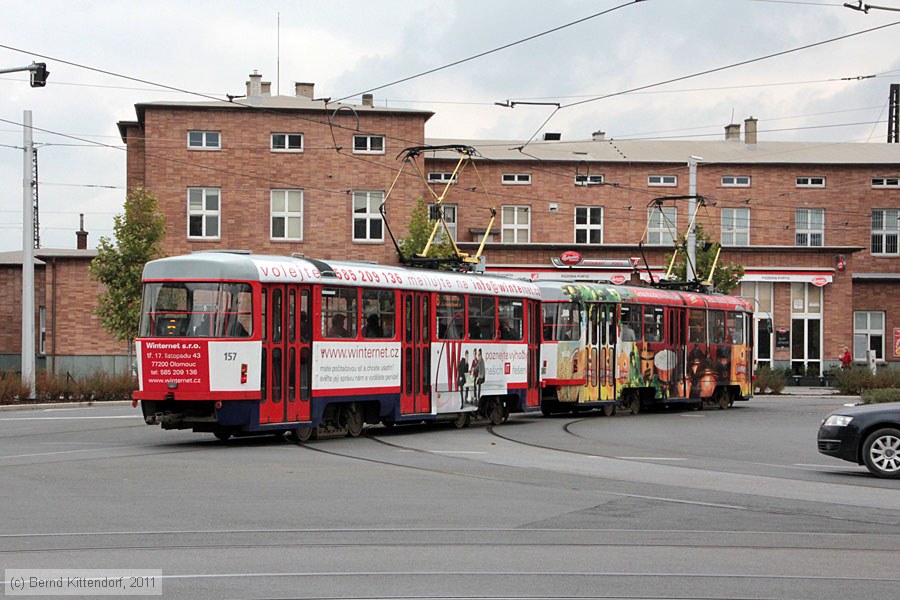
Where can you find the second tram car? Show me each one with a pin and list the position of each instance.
(606, 346)
(235, 343)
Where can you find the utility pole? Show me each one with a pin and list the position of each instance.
(28, 374)
(893, 134)
(691, 242)
(39, 74)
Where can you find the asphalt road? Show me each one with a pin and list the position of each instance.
(680, 504)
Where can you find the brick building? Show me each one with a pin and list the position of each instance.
(68, 336)
(816, 225)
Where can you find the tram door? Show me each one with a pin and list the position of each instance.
(286, 355)
(533, 320)
(415, 387)
(672, 377)
(606, 336)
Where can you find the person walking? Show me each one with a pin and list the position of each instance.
(846, 358)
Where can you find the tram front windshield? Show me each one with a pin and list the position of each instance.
(197, 309)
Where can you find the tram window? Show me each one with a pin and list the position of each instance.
(304, 315)
(549, 311)
(630, 317)
(196, 309)
(379, 307)
(481, 318)
(569, 325)
(292, 316)
(276, 316)
(450, 310)
(512, 318)
(735, 324)
(716, 327)
(697, 327)
(653, 324)
(339, 312)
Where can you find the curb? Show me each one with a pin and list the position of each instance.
(45, 405)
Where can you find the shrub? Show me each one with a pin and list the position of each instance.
(768, 378)
(12, 388)
(101, 386)
(880, 395)
(853, 380)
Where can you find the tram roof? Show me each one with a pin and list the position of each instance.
(599, 292)
(244, 266)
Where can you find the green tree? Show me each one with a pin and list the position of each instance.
(120, 263)
(726, 277)
(420, 227)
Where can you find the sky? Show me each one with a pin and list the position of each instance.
(596, 51)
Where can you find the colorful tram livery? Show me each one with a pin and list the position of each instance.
(607, 345)
(234, 343)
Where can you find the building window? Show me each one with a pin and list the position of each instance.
(588, 224)
(449, 211)
(366, 217)
(204, 140)
(868, 334)
(287, 142)
(662, 180)
(585, 180)
(42, 330)
(443, 178)
(885, 231)
(886, 182)
(203, 212)
(763, 293)
(813, 182)
(368, 144)
(516, 179)
(810, 227)
(287, 215)
(735, 226)
(662, 225)
(516, 225)
(735, 181)
(806, 329)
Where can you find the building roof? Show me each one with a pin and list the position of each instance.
(15, 257)
(678, 151)
(272, 103)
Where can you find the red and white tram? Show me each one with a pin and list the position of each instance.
(235, 343)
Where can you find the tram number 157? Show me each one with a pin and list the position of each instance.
(230, 356)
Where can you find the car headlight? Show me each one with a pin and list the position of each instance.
(837, 421)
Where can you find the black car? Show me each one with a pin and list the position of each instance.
(866, 434)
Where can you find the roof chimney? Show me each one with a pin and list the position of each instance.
(254, 86)
(368, 100)
(599, 136)
(304, 90)
(733, 132)
(750, 131)
(81, 235)
(266, 88)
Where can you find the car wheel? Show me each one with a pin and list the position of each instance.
(881, 453)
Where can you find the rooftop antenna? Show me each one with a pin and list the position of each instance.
(278, 56)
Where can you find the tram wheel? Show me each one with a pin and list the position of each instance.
(725, 400)
(496, 412)
(462, 420)
(304, 434)
(634, 403)
(608, 410)
(222, 435)
(356, 420)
